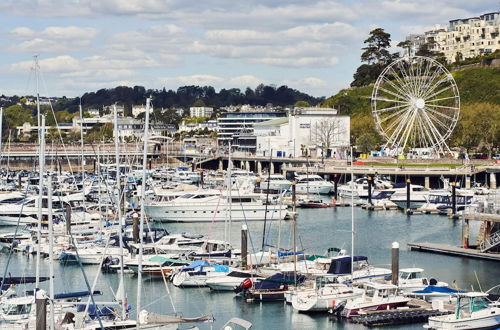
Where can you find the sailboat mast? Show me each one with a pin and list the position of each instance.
(41, 169)
(230, 194)
(1, 127)
(143, 205)
(121, 289)
(37, 68)
(352, 217)
(81, 150)
(51, 253)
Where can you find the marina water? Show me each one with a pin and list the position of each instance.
(317, 230)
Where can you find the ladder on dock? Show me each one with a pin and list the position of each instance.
(490, 242)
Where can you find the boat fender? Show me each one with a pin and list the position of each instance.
(333, 303)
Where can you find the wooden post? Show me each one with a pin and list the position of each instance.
(68, 219)
(395, 263)
(294, 219)
(370, 179)
(135, 228)
(335, 186)
(41, 310)
(454, 198)
(408, 194)
(244, 246)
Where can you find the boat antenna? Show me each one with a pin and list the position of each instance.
(267, 198)
(477, 279)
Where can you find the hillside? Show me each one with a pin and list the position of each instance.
(479, 89)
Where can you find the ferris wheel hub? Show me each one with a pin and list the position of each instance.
(419, 103)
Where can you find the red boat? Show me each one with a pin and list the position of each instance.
(314, 204)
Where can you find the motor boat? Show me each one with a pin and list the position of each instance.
(229, 282)
(472, 311)
(214, 205)
(276, 182)
(324, 296)
(313, 184)
(376, 297)
(197, 273)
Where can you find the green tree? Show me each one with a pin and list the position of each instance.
(376, 50)
(301, 104)
(406, 45)
(367, 142)
(458, 57)
(199, 103)
(16, 115)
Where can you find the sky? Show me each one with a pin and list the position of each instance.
(313, 46)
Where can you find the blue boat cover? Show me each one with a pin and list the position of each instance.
(221, 268)
(438, 289)
(343, 265)
(399, 185)
(274, 282)
(290, 253)
(196, 264)
(77, 294)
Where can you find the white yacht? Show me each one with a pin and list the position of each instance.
(214, 205)
(473, 311)
(313, 184)
(418, 195)
(276, 182)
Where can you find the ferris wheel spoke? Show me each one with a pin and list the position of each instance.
(437, 135)
(435, 86)
(438, 121)
(398, 78)
(409, 129)
(440, 91)
(441, 106)
(442, 99)
(413, 78)
(397, 88)
(439, 113)
(405, 75)
(390, 108)
(392, 93)
(423, 78)
(392, 115)
(388, 100)
(430, 81)
(402, 122)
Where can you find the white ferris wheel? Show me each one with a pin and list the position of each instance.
(415, 104)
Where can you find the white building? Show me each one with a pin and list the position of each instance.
(137, 110)
(469, 37)
(306, 131)
(211, 125)
(201, 111)
(93, 112)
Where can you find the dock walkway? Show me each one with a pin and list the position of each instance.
(453, 250)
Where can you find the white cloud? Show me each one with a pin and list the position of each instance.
(53, 39)
(196, 79)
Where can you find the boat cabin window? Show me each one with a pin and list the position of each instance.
(186, 196)
(370, 292)
(241, 200)
(410, 275)
(479, 303)
(16, 309)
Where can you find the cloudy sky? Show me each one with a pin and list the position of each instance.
(314, 46)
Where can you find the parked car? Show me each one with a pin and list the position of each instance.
(496, 157)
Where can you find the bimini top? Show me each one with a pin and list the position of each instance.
(340, 266)
(275, 281)
(437, 289)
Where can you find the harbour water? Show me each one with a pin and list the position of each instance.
(317, 230)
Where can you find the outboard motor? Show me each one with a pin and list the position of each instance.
(108, 262)
(245, 285)
(338, 308)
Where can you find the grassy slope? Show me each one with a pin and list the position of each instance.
(478, 84)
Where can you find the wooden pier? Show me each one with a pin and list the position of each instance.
(453, 250)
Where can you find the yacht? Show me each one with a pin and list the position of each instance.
(418, 195)
(313, 184)
(214, 205)
(472, 311)
(376, 297)
(275, 182)
(324, 295)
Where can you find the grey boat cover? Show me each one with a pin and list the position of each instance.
(153, 318)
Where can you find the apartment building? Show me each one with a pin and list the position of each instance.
(201, 111)
(467, 37)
